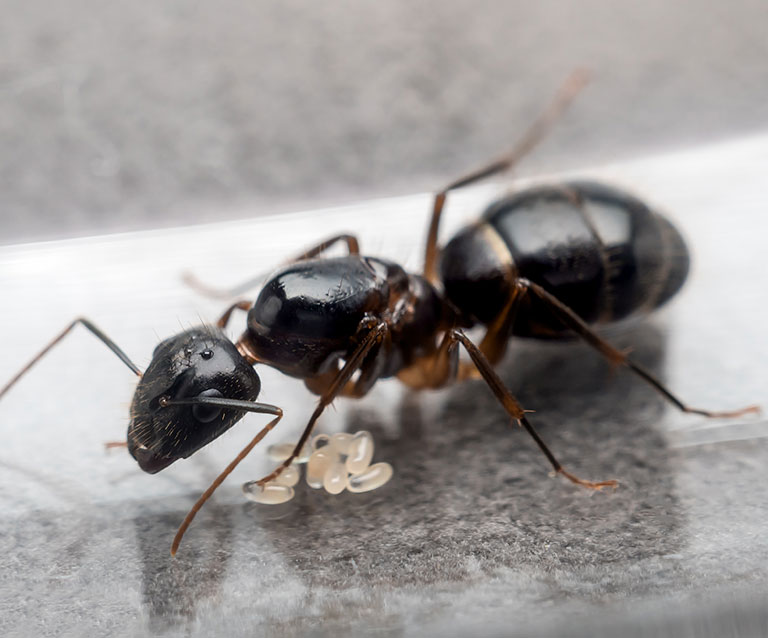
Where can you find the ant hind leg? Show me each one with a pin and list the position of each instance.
(572, 321)
(444, 366)
(535, 133)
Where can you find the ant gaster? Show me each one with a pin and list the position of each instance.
(539, 263)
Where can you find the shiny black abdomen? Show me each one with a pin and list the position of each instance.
(600, 251)
(308, 314)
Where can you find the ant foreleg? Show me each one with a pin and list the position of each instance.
(376, 334)
(535, 133)
(572, 321)
(249, 406)
(353, 246)
(94, 330)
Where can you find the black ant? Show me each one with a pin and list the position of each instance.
(539, 263)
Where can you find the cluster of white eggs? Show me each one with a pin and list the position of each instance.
(337, 463)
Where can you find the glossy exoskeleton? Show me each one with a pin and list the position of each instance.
(543, 262)
(601, 252)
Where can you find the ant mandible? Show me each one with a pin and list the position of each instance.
(539, 263)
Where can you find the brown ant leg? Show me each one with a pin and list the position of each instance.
(238, 305)
(431, 371)
(94, 330)
(496, 339)
(375, 335)
(445, 363)
(535, 133)
(353, 246)
(257, 407)
(572, 321)
(370, 372)
(435, 370)
(514, 408)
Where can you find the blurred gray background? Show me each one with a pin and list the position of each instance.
(138, 115)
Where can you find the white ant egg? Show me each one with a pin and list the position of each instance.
(335, 478)
(320, 441)
(270, 494)
(341, 442)
(281, 451)
(360, 452)
(316, 466)
(373, 478)
(335, 463)
(289, 476)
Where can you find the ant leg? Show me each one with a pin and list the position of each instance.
(535, 133)
(515, 410)
(353, 246)
(238, 305)
(445, 367)
(572, 321)
(261, 408)
(430, 371)
(435, 370)
(376, 333)
(496, 338)
(370, 372)
(94, 330)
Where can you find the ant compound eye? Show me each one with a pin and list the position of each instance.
(207, 413)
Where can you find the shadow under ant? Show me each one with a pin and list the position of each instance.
(471, 492)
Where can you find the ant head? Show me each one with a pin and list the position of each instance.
(166, 424)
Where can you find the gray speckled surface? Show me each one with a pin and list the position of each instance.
(471, 535)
